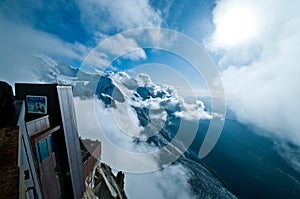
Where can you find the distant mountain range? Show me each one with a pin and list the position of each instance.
(159, 109)
(242, 162)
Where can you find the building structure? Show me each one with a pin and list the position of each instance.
(41, 154)
(38, 132)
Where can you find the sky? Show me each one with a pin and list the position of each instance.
(254, 44)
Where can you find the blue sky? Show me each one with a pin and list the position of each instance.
(255, 45)
(88, 23)
(83, 25)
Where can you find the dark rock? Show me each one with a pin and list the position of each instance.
(143, 92)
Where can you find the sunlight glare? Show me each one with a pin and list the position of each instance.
(237, 25)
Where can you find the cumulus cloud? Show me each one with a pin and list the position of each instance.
(193, 111)
(143, 79)
(260, 73)
(127, 80)
(163, 97)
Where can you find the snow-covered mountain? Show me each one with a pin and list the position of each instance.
(157, 109)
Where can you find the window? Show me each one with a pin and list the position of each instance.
(26, 174)
(37, 153)
(50, 144)
(43, 149)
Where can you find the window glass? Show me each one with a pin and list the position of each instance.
(50, 144)
(44, 149)
(37, 153)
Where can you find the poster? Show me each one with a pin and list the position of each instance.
(36, 104)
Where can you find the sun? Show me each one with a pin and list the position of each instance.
(237, 25)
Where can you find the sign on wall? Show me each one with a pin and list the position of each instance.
(36, 104)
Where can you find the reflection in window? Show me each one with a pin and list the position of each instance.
(43, 149)
(50, 144)
(37, 152)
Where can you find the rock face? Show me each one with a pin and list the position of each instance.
(105, 185)
(120, 180)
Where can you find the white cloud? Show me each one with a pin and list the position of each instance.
(97, 60)
(136, 55)
(261, 75)
(113, 48)
(121, 125)
(171, 182)
(19, 42)
(123, 46)
(103, 18)
(194, 111)
(107, 16)
(166, 98)
(126, 80)
(273, 21)
(236, 23)
(290, 153)
(144, 79)
(92, 113)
